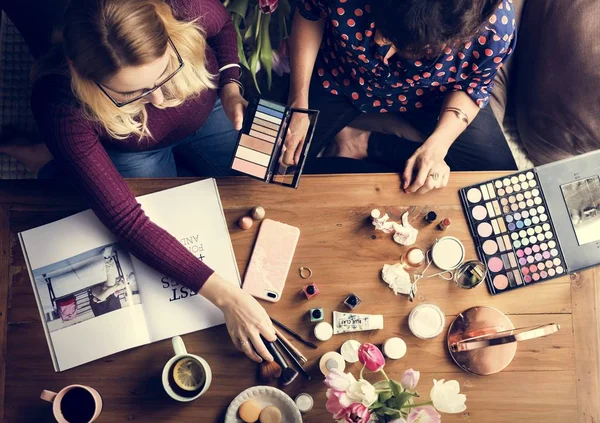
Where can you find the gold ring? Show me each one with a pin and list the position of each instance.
(305, 272)
(435, 176)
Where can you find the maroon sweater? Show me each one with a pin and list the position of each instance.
(78, 145)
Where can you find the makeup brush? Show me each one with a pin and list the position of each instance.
(269, 371)
(294, 334)
(294, 359)
(290, 346)
(287, 373)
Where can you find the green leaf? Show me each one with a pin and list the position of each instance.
(239, 7)
(266, 51)
(396, 388)
(386, 411)
(384, 396)
(253, 66)
(240, 43)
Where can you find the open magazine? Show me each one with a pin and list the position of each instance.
(96, 299)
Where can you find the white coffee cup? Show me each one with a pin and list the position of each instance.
(180, 352)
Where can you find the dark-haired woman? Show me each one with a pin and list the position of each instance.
(403, 82)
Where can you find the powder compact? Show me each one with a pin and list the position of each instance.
(483, 340)
(537, 224)
(261, 143)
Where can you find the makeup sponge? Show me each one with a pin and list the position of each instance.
(249, 411)
(270, 414)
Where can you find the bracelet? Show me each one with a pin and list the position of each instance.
(458, 112)
(235, 81)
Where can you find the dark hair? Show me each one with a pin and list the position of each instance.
(424, 27)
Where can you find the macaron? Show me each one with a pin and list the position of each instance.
(249, 411)
(270, 414)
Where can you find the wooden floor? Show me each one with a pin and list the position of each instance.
(553, 379)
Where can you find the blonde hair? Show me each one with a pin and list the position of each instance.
(102, 36)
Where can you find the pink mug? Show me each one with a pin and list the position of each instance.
(74, 403)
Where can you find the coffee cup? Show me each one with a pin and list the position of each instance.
(74, 404)
(186, 376)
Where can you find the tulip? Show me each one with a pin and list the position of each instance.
(398, 420)
(362, 392)
(357, 413)
(281, 59)
(339, 381)
(424, 415)
(268, 6)
(410, 379)
(333, 404)
(370, 356)
(446, 397)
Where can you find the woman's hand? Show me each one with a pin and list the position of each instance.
(245, 318)
(294, 141)
(426, 169)
(233, 104)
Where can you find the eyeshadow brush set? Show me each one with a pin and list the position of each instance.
(261, 143)
(537, 224)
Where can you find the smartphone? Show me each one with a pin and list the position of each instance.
(271, 259)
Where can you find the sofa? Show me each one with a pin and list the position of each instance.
(546, 97)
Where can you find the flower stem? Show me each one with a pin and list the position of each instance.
(384, 375)
(417, 405)
(362, 370)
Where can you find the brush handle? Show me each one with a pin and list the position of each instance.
(294, 359)
(294, 334)
(290, 346)
(279, 359)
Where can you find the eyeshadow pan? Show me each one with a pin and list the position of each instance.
(479, 212)
(484, 229)
(474, 195)
(490, 247)
(522, 177)
(500, 282)
(490, 209)
(249, 168)
(485, 193)
(264, 130)
(256, 144)
(496, 207)
(498, 183)
(501, 244)
(495, 264)
(506, 182)
(267, 124)
(253, 156)
(518, 277)
(491, 191)
(261, 136)
(268, 118)
(495, 226)
(529, 175)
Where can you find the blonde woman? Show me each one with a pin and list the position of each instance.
(137, 83)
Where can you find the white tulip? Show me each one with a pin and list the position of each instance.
(446, 397)
(363, 392)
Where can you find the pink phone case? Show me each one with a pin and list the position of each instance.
(271, 260)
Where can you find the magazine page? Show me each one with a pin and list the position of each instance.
(85, 287)
(193, 214)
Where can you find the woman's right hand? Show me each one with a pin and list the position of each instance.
(245, 318)
(294, 141)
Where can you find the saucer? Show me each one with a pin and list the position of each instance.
(265, 396)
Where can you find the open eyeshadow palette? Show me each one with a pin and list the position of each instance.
(537, 224)
(261, 143)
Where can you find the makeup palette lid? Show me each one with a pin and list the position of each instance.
(483, 340)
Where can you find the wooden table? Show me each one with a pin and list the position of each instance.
(553, 379)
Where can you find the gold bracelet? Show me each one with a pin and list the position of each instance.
(458, 112)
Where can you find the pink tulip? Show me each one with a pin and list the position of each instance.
(370, 356)
(357, 413)
(281, 59)
(410, 379)
(333, 404)
(268, 6)
(426, 414)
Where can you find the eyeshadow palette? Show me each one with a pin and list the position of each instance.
(261, 143)
(537, 224)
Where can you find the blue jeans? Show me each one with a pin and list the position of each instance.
(208, 152)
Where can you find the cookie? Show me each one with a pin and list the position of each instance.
(249, 411)
(270, 414)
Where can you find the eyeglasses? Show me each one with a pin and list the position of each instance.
(147, 92)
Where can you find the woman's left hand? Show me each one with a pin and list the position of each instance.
(233, 104)
(426, 169)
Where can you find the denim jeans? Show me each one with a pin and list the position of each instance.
(208, 152)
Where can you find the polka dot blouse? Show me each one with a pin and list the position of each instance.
(350, 63)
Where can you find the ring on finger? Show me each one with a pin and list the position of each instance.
(243, 343)
(435, 176)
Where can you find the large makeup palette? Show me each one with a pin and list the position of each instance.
(261, 143)
(537, 224)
